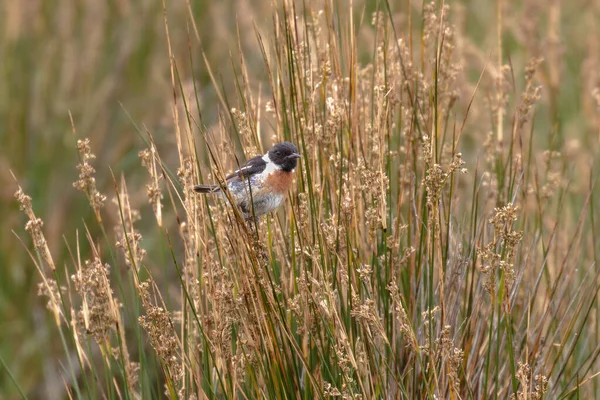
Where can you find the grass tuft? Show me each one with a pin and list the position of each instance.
(439, 242)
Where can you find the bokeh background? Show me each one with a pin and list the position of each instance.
(104, 66)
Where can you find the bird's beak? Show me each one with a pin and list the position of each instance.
(295, 155)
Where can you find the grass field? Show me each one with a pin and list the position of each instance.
(441, 239)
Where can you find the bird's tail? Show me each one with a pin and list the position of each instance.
(207, 188)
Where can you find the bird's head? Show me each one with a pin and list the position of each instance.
(285, 155)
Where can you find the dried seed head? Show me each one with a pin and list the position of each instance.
(99, 312)
(148, 158)
(159, 326)
(529, 391)
(496, 255)
(86, 181)
(34, 227)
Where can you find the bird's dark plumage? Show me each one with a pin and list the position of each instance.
(253, 166)
(206, 188)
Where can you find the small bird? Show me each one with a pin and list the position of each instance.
(260, 185)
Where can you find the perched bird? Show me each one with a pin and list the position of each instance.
(260, 185)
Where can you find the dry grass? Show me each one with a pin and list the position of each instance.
(440, 241)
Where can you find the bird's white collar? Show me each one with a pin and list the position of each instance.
(271, 166)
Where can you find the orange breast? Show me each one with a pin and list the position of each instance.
(279, 181)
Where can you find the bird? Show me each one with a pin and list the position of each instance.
(261, 184)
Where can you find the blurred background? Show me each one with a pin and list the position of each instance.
(105, 64)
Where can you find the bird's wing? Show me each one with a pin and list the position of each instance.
(253, 166)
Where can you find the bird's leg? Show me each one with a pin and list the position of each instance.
(252, 223)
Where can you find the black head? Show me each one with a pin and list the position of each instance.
(285, 155)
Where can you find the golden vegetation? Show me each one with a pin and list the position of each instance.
(440, 240)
